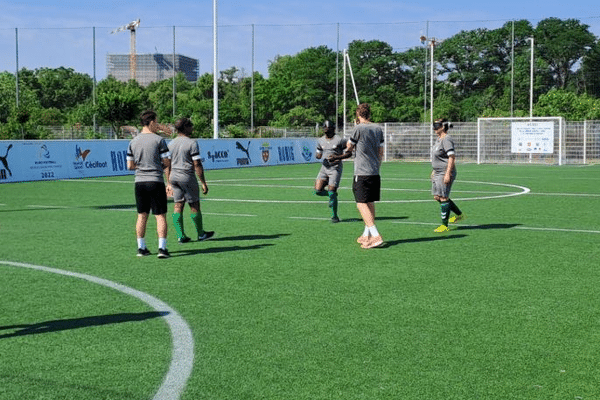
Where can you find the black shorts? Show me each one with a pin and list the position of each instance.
(151, 196)
(366, 188)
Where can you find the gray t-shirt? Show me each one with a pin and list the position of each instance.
(334, 146)
(367, 138)
(184, 151)
(147, 151)
(441, 150)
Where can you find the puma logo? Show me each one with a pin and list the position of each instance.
(240, 147)
(5, 160)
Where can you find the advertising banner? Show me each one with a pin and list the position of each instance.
(35, 160)
(532, 137)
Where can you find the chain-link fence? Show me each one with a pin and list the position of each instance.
(248, 48)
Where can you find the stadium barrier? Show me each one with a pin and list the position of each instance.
(39, 160)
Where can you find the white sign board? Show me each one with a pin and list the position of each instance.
(532, 137)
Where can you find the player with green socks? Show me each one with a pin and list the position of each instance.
(331, 171)
(183, 185)
(444, 173)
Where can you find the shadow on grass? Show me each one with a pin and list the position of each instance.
(115, 207)
(214, 250)
(376, 219)
(422, 240)
(121, 206)
(249, 237)
(76, 323)
(486, 226)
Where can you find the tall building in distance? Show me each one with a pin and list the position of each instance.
(152, 67)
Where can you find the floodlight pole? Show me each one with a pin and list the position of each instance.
(215, 72)
(431, 42)
(17, 66)
(531, 81)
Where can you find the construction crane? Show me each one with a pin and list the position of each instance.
(132, 26)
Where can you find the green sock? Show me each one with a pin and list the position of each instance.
(197, 220)
(454, 208)
(333, 203)
(445, 207)
(321, 192)
(178, 222)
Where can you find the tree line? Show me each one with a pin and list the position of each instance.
(481, 72)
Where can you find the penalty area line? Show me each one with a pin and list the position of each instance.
(182, 359)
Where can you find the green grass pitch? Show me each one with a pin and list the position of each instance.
(283, 304)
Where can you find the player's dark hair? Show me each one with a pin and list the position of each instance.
(147, 117)
(364, 111)
(181, 123)
(438, 123)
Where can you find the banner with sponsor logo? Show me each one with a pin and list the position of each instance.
(235, 153)
(35, 160)
(532, 137)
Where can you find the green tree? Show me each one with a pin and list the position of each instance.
(62, 88)
(591, 71)
(119, 103)
(569, 105)
(17, 122)
(306, 79)
(562, 44)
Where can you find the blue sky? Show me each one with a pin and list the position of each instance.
(59, 33)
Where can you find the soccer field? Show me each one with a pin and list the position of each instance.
(283, 304)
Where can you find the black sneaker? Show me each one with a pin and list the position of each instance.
(143, 252)
(206, 235)
(163, 253)
(335, 220)
(184, 239)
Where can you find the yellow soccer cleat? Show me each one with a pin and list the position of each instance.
(441, 229)
(457, 218)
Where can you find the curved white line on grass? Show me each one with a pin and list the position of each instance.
(523, 190)
(182, 360)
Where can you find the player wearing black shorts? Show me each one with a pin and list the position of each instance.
(367, 140)
(149, 155)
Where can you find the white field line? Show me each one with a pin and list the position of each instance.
(182, 359)
(568, 194)
(525, 228)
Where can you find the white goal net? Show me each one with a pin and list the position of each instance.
(521, 140)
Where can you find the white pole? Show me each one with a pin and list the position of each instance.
(478, 141)
(531, 83)
(512, 70)
(585, 141)
(385, 142)
(344, 90)
(352, 77)
(432, 41)
(215, 77)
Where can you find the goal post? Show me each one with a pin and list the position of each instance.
(521, 140)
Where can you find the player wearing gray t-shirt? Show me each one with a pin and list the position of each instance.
(367, 139)
(330, 173)
(443, 163)
(186, 163)
(148, 155)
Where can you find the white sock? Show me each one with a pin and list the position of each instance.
(162, 243)
(141, 243)
(366, 232)
(373, 231)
